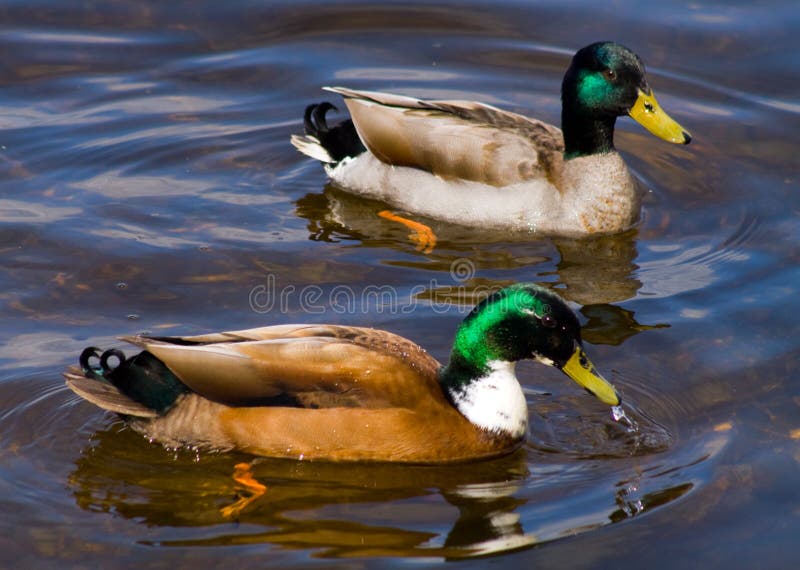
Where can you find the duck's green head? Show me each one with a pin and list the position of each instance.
(606, 81)
(524, 321)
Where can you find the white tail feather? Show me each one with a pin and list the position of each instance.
(310, 146)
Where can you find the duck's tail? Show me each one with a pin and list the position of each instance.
(141, 386)
(329, 145)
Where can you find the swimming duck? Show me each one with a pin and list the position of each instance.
(340, 393)
(474, 164)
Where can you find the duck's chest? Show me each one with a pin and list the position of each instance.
(600, 195)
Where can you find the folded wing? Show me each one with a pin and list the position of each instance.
(455, 139)
(307, 366)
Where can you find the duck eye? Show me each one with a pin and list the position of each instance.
(609, 74)
(549, 321)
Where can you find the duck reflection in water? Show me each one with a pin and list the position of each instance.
(592, 271)
(343, 510)
(336, 510)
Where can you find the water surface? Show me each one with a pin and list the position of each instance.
(148, 185)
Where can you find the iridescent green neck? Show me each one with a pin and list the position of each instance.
(487, 334)
(586, 131)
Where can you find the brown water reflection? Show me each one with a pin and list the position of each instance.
(333, 509)
(337, 510)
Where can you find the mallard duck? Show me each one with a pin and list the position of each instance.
(339, 393)
(474, 164)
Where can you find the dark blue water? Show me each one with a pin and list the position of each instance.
(147, 184)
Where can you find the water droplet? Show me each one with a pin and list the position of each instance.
(619, 416)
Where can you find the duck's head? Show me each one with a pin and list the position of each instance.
(607, 80)
(524, 321)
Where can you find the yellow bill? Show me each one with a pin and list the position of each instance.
(647, 112)
(581, 369)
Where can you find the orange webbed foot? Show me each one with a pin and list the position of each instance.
(248, 489)
(421, 234)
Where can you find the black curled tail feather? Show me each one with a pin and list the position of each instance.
(142, 378)
(340, 141)
(314, 119)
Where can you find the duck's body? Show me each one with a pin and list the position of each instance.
(477, 165)
(325, 392)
